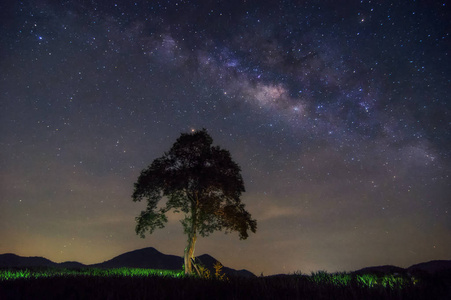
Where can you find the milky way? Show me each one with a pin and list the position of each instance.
(338, 113)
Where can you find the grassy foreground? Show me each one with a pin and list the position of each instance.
(127, 283)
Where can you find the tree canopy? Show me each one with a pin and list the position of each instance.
(201, 181)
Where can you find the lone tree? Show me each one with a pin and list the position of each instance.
(200, 180)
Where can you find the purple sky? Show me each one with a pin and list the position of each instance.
(338, 114)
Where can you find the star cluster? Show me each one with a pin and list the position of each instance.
(337, 112)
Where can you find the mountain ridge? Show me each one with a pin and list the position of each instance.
(430, 267)
(148, 257)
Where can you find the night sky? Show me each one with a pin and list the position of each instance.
(338, 113)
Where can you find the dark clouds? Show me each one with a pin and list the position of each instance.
(337, 113)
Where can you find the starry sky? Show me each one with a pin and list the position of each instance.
(338, 113)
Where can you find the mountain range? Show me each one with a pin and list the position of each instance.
(430, 267)
(153, 259)
(143, 258)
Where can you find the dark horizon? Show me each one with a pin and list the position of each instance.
(338, 115)
(155, 259)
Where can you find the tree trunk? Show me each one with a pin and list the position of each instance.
(189, 253)
(189, 250)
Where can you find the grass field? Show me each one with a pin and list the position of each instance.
(13, 274)
(128, 283)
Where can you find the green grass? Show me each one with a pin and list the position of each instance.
(13, 274)
(321, 278)
(363, 280)
(131, 283)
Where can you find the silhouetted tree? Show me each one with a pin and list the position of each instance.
(199, 180)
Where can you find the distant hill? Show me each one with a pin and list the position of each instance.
(11, 260)
(153, 259)
(143, 258)
(429, 267)
(71, 265)
(387, 269)
(149, 258)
